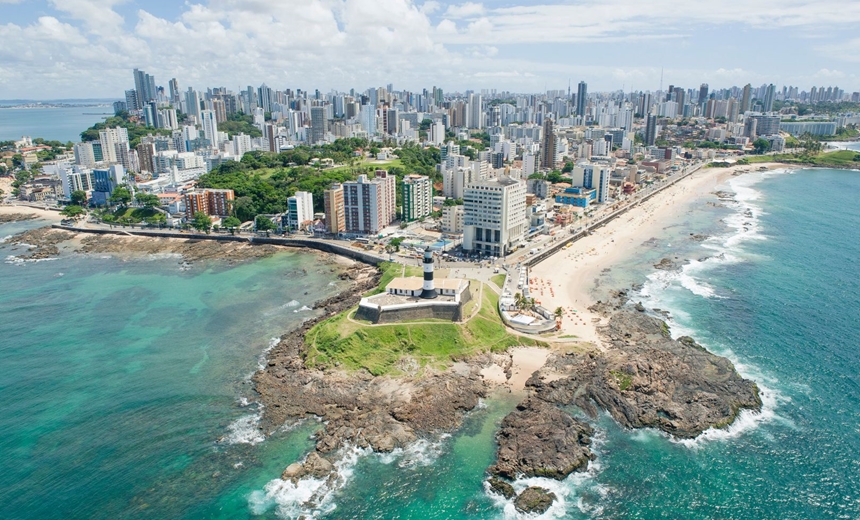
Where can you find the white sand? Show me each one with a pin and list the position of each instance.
(566, 279)
(53, 216)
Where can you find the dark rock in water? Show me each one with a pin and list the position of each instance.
(501, 487)
(699, 238)
(639, 307)
(540, 440)
(665, 264)
(534, 500)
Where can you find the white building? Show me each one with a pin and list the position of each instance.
(452, 220)
(109, 138)
(592, 176)
(210, 126)
(300, 209)
(417, 197)
(84, 155)
(494, 220)
(437, 133)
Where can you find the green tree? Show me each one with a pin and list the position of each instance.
(72, 211)
(148, 200)
(761, 145)
(568, 167)
(120, 196)
(79, 197)
(202, 222)
(231, 223)
(559, 312)
(264, 223)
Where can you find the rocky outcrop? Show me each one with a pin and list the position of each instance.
(534, 500)
(644, 378)
(501, 487)
(16, 217)
(666, 264)
(43, 242)
(356, 408)
(540, 440)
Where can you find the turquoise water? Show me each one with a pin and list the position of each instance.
(124, 383)
(104, 423)
(60, 124)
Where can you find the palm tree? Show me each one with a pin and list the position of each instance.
(559, 312)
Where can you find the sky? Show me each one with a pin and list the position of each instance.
(51, 49)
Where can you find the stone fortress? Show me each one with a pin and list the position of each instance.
(414, 298)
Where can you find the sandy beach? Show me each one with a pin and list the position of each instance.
(42, 213)
(567, 278)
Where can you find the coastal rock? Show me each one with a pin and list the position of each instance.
(191, 250)
(699, 238)
(294, 472)
(16, 217)
(501, 487)
(647, 379)
(540, 440)
(666, 264)
(317, 466)
(534, 500)
(43, 242)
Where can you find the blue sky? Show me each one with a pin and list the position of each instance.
(87, 48)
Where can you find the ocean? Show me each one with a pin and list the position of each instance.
(54, 124)
(126, 382)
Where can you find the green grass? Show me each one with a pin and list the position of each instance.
(340, 342)
(390, 271)
(624, 380)
(839, 159)
(137, 214)
(499, 280)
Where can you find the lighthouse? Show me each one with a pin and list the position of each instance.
(428, 290)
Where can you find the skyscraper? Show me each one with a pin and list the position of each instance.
(547, 151)
(703, 95)
(651, 130)
(746, 98)
(318, 129)
(210, 126)
(769, 97)
(475, 114)
(581, 99)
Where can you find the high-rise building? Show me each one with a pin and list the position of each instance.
(109, 138)
(651, 130)
(475, 113)
(581, 99)
(131, 102)
(300, 209)
(84, 155)
(334, 209)
(174, 92)
(369, 205)
(746, 99)
(210, 126)
(769, 98)
(548, 148)
(494, 216)
(318, 125)
(144, 84)
(417, 197)
(209, 201)
(703, 95)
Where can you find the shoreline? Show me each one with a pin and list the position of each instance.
(568, 278)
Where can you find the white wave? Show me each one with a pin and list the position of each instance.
(420, 453)
(304, 308)
(264, 355)
(245, 430)
(309, 497)
(4, 239)
(14, 260)
(292, 303)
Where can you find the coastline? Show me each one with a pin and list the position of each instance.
(568, 278)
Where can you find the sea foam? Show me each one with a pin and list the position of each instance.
(309, 497)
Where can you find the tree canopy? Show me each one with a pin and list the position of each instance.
(201, 222)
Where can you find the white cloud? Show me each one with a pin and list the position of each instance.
(86, 47)
(467, 10)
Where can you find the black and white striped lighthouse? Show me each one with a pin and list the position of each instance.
(428, 290)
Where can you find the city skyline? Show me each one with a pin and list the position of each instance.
(84, 48)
